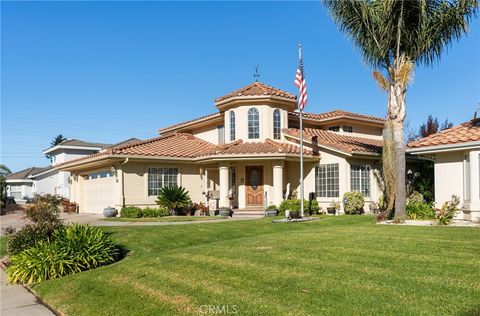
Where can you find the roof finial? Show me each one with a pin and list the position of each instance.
(256, 75)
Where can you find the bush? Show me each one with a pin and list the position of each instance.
(155, 212)
(74, 249)
(353, 202)
(415, 197)
(54, 200)
(271, 207)
(45, 218)
(173, 198)
(131, 212)
(418, 209)
(447, 212)
(294, 205)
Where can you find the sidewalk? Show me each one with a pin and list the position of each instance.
(15, 300)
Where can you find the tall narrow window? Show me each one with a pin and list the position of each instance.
(276, 124)
(360, 179)
(221, 134)
(253, 124)
(326, 180)
(232, 125)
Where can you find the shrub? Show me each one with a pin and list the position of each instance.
(415, 197)
(155, 212)
(447, 212)
(43, 212)
(271, 207)
(173, 198)
(420, 210)
(74, 249)
(54, 200)
(294, 205)
(45, 218)
(131, 212)
(353, 202)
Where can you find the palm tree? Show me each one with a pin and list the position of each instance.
(56, 141)
(394, 36)
(174, 198)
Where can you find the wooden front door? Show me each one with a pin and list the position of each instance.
(254, 185)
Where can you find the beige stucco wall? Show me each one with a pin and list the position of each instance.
(451, 178)
(207, 133)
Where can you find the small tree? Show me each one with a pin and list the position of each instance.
(4, 172)
(174, 198)
(56, 141)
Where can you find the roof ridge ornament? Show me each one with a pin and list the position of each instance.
(256, 75)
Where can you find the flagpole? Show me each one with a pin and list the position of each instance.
(301, 148)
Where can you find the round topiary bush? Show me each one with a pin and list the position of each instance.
(353, 202)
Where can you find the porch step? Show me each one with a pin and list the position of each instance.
(248, 213)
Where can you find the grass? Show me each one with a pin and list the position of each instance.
(3, 246)
(164, 219)
(333, 266)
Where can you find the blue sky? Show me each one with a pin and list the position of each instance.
(107, 71)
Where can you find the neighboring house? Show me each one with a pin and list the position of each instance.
(246, 156)
(48, 180)
(456, 154)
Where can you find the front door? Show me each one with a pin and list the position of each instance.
(254, 185)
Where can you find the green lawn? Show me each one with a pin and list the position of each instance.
(164, 219)
(3, 246)
(336, 265)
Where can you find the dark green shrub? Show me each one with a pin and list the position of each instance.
(73, 249)
(271, 207)
(131, 212)
(155, 212)
(447, 212)
(173, 198)
(353, 202)
(295, 205)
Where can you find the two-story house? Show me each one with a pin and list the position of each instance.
(23, 184)
(246, 155)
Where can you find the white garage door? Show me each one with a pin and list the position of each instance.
(98, 192)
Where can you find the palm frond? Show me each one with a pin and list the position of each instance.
(383, 83)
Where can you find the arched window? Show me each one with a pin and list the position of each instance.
(277, 125)
(253, 124)
(232, 125)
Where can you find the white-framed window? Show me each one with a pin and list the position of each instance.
(99, 175)
(161, 177)
(334, 128)
(277, 124)
(232, 126)
(327, 180)
(360, 179)
(253, 124)
(466, 178)
(348, 129)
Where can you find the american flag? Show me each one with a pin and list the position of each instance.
(301, 83)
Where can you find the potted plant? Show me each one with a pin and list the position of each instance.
(374, 207)
(271, 210)
(225, 211)
(333, 208)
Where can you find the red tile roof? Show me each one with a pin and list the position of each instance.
(257, 89)
(182, 124)
(463, 133)
(184, 145)
(339, 114)
(267, 147)
(342, 142)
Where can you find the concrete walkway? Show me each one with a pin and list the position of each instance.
(15, 300)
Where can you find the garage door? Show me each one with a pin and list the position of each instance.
(98, 192)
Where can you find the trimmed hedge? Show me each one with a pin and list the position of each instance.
(136, 212)
(353, 202)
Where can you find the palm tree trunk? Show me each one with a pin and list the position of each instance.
(396, 112)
